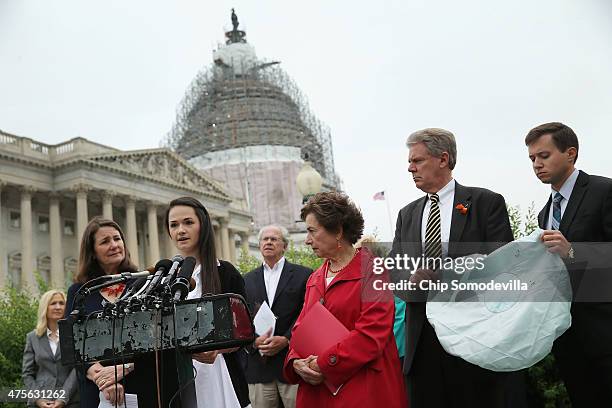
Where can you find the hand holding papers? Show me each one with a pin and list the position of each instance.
(264, 321)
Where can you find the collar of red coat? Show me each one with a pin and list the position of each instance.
(353, 271)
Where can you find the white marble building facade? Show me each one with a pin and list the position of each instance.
(48, 193)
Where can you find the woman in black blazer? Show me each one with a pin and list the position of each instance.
(189, 226)
(42, 368)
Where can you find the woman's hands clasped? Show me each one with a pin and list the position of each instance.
(309, 370)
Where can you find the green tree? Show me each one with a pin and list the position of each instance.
(297, 255)
(18, 310)
(17, 318)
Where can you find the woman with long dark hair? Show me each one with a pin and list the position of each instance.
(103, 252)
(219, 380)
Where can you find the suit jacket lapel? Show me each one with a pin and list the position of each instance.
(414, 234)
(284, 279)
(458, 220)
(261, 285)
(413, 244)
(543, 215)
(44, 343)
(574, 202)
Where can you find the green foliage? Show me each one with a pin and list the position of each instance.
(297, 255)
(18, 309)
(522, 225)
(17, 318)
(247, 262)
(544, 385)
(303, 256)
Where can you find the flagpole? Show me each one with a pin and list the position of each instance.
(389, 215)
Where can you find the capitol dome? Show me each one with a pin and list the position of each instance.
(242, 101)
(245, 123)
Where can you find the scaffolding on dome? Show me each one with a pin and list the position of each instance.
(250, 103)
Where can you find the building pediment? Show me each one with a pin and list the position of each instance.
(162, 166)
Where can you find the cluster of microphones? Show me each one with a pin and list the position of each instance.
(168, 282)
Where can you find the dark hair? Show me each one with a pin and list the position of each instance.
(562, 135)
(334, 211)
(88, 267)
(211, 283)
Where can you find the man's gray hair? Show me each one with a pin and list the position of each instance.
(437, 141)
(283, 230)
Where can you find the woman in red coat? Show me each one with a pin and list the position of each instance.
(366, 362)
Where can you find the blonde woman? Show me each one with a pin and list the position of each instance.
(42, 368)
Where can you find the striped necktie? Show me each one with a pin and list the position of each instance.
(556, 215)
(433, 234)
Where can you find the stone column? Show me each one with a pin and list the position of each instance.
(81, 207)
(224, 237)
(153, 235)
(232, 246)
(169, 248)
(3, 260)
(55, 239)
(244, 238)
(131, 235)
(218, 247)
(27, 271)
(107, 204)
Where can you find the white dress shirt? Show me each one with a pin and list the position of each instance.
(446, 197)
(52, 343)
(566, 191)
(213, 383)
(271, 278)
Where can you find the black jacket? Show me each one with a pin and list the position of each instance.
(484, 227)
(232, 282)
(287, 305)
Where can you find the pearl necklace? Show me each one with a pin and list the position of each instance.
(330, 271)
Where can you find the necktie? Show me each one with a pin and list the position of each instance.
(433, 234)
(556, 216)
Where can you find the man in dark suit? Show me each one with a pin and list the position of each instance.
(281, 285)
(450, 221)
(578, 226)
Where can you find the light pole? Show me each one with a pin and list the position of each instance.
(308, 181)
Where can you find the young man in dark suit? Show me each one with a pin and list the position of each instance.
(282, 285)
(577, 220)
(450, 221)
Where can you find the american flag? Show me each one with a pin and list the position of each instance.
(379, 196)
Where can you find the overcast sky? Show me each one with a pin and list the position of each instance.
(115, 71)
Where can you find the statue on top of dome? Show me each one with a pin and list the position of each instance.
(234, 20)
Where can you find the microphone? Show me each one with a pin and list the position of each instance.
(161, 267)
(182, 284)
(129, 275)
(140, 282)
(177, 261)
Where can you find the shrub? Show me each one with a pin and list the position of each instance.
(297, 255)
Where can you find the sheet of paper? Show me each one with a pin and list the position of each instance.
(264, 320)
(131, 401)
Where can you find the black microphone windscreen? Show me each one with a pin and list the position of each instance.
(189, 265)
(138, 284)
(163, 263)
